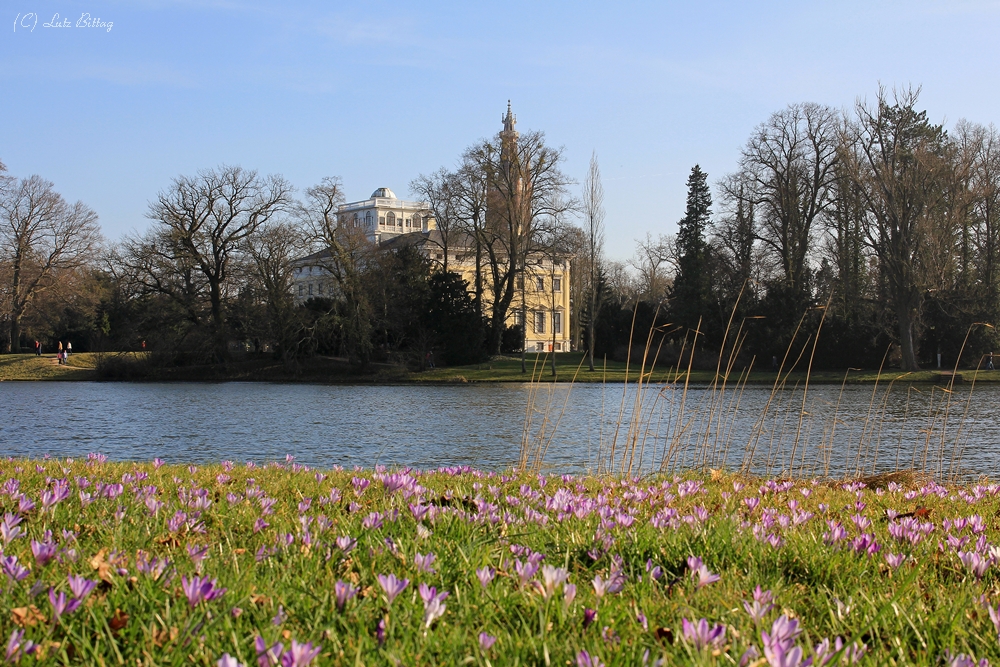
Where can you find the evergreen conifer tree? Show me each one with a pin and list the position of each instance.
(689, 297)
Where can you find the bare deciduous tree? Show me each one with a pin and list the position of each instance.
(789, 160)
(271, 253)
(41, 235)
(525, 188)
(593, 223)
(346, 250)
(898, 160)
(439, 190)
(202, 223)
(655, 260)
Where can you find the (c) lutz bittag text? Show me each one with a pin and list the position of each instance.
(29, 21)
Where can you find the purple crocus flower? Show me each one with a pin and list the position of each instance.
(392, 586)
(199, 589)
(17, 647)
(700, 572)
(61, 605)
(760, 606)
(13, 569)
(55, 495)
(346, 543)
(525, 571)
(779, 648)
(342, 593)
(589, 616)
(701, 635)
(485, 575)
(974, 563)
(9, 528)
(584, 659)
(894, 560)
(25, 504)
(228, 661)
(43, 552)
(569, 594)
(425, 563)
(80, 586)
(380, 632)
(267, 656)
(197, 554)
(486, 641)
(299, 655)
(434, 606)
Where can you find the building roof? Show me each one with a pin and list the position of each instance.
(385, 193)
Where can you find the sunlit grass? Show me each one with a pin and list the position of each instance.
(279, 539)
(31, 367)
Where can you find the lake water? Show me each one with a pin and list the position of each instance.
(580, 428)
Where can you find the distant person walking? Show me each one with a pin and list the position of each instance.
(38, 349)
(989, 362)
(69, 348)
(430, 359)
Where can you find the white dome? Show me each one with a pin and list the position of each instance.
(384, 193)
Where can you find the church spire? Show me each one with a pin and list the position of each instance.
(509, 121)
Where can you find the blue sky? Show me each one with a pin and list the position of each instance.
(379, 92)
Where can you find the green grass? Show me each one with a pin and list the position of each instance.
(328, 370)
(569, 368)
(31, 367)
(282, 588)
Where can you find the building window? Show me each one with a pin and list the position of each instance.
(369, 219)
(357, 220)
(310, 289)
(540, 347)
(417, 223)
(390, 219)
(517, 318)
(557, 323)
(558, 347)
(381, 221)
(302, 289)
(557, 284)
(540, 284)
(319, 288)
(540, 322)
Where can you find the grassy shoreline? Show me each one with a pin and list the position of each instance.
(324, 370)
(701, 570)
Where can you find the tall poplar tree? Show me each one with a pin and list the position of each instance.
(689, 297)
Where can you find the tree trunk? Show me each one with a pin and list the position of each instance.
(15, 333)
(591, 324)
(218, 324)
(908, 357)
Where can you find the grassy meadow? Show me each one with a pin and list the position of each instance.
(234, 564)
(570, 367)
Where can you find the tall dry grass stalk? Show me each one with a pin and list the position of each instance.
(676, 424)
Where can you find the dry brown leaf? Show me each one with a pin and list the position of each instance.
(169, 540)
(118, 621)
(259, 600)
(161, 637)
(102, 567)
(44, 648)
(239, 552)
(287, 634)
(27, 616)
